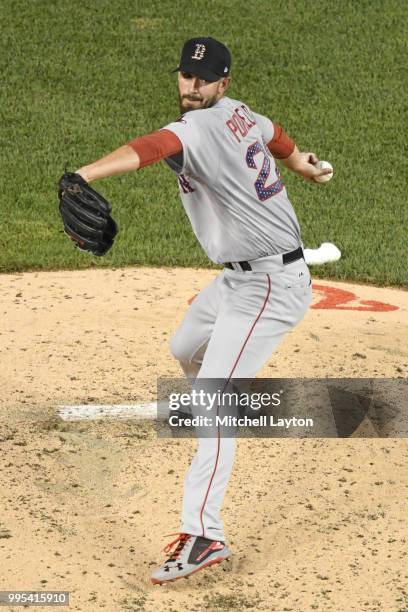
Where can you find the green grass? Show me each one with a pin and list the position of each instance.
(80, 78)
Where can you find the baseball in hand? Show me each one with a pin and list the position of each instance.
(320, 165)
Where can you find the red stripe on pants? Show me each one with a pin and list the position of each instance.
(229, 377)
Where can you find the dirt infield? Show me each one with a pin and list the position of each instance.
(314, 524)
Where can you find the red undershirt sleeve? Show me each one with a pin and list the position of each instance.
(156, 146)
(281, 145)
(164, 143)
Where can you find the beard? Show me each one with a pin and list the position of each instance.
(189, 103)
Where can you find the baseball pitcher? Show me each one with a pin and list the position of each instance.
(223, 154)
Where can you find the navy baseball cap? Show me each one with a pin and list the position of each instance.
(205, 57)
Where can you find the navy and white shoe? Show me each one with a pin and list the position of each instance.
(191, 554)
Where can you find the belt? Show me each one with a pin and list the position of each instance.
(287, 258)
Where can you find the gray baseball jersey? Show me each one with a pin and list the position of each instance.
(230, 185)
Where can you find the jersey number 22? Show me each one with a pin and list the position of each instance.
(263, 191)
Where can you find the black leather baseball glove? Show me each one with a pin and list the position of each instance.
(86, 215)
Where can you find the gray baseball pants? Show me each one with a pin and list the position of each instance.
(231, 328)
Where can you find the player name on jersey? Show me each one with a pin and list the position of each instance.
(240, 122)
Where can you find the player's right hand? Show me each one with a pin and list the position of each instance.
(306, 166)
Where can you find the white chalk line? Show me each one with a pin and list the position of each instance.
(94, 412)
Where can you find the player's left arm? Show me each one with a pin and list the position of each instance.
(124, 159)
(136, 154)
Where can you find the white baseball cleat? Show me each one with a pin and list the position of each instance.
(191, 554)
(326, 253)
